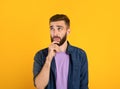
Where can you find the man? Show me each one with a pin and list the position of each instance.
(61, 65)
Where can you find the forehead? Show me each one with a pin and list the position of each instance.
(58, 23)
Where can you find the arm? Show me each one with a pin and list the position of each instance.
(43, 75)
(43, 72)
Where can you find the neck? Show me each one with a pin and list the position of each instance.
(63, 47)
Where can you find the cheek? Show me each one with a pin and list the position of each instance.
(63, 34)
(51, 34)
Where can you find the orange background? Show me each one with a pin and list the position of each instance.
(24, 30)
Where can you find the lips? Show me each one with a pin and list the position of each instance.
(56, 39)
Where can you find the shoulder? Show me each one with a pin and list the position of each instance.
(78, 50)
(41, 53)
(79, 54)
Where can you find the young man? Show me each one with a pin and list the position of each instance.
(61, 65)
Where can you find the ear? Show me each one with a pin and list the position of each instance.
(68, 31)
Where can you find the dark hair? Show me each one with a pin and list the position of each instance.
(59, 17)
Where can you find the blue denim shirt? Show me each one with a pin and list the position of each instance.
(78, 68)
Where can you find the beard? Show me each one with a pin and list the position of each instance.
(62, 41)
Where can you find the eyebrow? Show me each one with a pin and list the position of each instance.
(51, 26)
(56, 26)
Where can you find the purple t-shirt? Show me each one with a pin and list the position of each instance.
(62, 66)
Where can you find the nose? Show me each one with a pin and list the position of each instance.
(55, 32)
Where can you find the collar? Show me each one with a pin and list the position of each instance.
(69, 48)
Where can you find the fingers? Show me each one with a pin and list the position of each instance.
(54, 47)
(55, 42)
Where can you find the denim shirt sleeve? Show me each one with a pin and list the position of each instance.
(38, 64)
(84, 72)
(39, 60)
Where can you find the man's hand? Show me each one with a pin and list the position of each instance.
(53, 48)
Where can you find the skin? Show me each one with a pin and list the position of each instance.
(58, 31)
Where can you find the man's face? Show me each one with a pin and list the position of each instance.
(58, 32)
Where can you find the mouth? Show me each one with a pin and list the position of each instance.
(56, 39)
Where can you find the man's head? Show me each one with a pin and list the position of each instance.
(59, 28)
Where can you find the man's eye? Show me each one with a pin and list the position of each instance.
(59, 28)
(51, 28)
